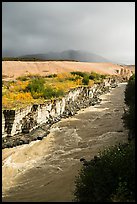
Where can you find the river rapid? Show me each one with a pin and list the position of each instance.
(45, 171)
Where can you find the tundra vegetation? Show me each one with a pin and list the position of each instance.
(110, 176)
(31, 89)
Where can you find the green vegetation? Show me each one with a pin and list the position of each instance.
(85, 80)
(90, 76)
(96, 76)
(29, 89)
(51, 76)
(81, 74)
(109, 177)
(23, 78)
(36, 85)
(52, 93)
(28, 77)
(38, 89)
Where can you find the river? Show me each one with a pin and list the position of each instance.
(45, 171)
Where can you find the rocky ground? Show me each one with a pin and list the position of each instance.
(45, 170)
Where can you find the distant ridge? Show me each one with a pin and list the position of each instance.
(68, 55)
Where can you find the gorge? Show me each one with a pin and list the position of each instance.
(17, 124)
(45, 170)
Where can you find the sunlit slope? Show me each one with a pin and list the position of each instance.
(14, 69)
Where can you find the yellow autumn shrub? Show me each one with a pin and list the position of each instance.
(13, 99)
(18, 86)
(15, 94)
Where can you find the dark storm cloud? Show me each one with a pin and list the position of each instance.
(107, 29)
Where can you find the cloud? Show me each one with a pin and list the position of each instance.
(104, 28)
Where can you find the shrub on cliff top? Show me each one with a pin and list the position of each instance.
(82, 74)
(38, 89)
(51, 76)
(36, 85)
(97, 77)
(50, 92)
(85, 80)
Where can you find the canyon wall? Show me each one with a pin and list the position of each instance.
(27, 119)
(125, 73)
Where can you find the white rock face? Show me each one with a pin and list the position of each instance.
(58, 108)
(19, 114)
(3, 126)
(62, 106)
(43, 114)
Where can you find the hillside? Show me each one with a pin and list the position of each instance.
(68, 55)
(14, 69)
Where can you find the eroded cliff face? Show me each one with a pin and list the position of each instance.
(24, 121)
(125, 73)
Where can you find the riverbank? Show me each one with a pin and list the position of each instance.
(45, 170)
(33, 123)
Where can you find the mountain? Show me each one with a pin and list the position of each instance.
(71, 55)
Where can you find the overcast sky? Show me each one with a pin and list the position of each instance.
(103, 28)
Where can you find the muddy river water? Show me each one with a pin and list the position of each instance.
(44, 171)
